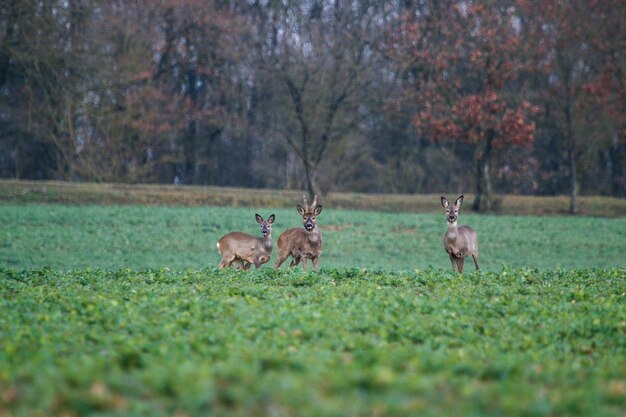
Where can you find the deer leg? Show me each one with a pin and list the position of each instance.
(475, 257)
(281, 259)
(315, 261)
(260, 261)
(304, 263)
(237, 263)
(295, 260)
(242, 265)
(460, 261)
(453, 261)
(226, 261)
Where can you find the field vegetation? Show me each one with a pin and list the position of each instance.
(119, 310)
(341, 342)
(152, 194)
(140, 237)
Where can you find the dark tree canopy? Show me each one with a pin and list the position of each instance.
(481, 97)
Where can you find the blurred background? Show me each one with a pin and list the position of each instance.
(488, 97)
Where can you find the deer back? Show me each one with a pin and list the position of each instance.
(245, 246)
(301, 241)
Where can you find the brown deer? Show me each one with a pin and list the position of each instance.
(243, 250)
(302, 243)
(459, 241)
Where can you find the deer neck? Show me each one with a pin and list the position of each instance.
(266, 241)
(453, 230)
(314, 235)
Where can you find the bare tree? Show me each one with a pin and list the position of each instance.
(41, 83)
(317, 54)
(559, 47)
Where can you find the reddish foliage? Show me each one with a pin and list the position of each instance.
(463, 65)
(578, 47)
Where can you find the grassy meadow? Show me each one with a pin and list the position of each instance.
(335, 343)
(140, 237)
(55, 192)
(119, 310)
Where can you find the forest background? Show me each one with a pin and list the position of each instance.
(490, 97)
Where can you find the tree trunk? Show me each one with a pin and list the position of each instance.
(484, 188)
(311, 182)
(617, 152)
(488, 192)
(16, 164)
(479, 187)
(573, 203)
(571, 142)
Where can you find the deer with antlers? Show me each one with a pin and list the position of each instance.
(302, 243)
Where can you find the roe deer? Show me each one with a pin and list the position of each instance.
(302, 243)
(459, 241)
(244, 250)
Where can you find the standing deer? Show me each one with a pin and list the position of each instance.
(302, 243)
(459, 241)
(244, 250)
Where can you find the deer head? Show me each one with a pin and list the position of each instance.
(309, 212)
(452, 211)
(266, 225)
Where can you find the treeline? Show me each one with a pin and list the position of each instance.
(372, 96)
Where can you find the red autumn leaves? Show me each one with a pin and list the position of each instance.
(466, 66)
(476, 115)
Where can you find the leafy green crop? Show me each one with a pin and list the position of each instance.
(341, 342)
(119, 311)
(67, 237)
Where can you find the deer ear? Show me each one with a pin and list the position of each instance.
(444, 202)
(270, 219)
(459, 201)
(258, 218)
(300, 210)
(318, 209)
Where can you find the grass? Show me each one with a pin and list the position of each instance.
(140, 237)
(24, 192)
(341, 342)
(118, 310)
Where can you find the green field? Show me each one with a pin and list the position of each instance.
(140, 237)
(120, 311)
(339, 343)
